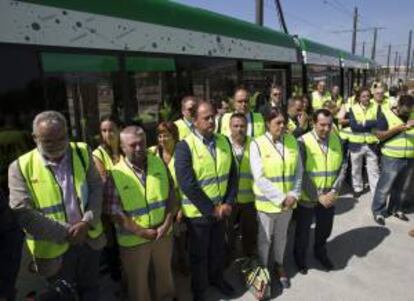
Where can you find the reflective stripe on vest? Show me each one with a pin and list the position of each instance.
(183, 129)
(361, 116)
(211, 173)
(144, 204)
(279, 168)
(401, 145)
(258, 124)
(104, 157)
(322, 168)
(245, 177)
(318, 100)
(48, 199)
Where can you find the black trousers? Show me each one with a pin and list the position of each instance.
(323, 228)
(80, 267)
(11, 243)
(207, 252)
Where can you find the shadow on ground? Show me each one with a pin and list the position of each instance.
(356, 242)
(344, 204)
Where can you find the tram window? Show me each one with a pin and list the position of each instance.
(330, 75)
(81, 86)
(259, 77)
(297, 81)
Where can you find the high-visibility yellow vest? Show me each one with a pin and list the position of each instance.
(345, 131)
(401, 145)
(386, 103)
(183, 128)
(155, 151)
(280, 169)
(102, 155)
(339, 101)
(245, 186)
(258, 124)
(318, 100)
(291, 126)
(212, 173)
(47, 197)
(322, 168)
(144, 203)
(360, 117)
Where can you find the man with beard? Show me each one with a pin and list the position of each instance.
(56, 193)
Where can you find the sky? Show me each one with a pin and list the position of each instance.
(318, 19)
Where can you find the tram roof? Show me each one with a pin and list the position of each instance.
(320, 54)
(231, 37)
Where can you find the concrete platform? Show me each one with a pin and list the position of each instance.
(371, 263)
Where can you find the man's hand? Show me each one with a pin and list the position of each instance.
(225, 210)
(125, 222)
(217, 212)
(303, 120)
(179, 216)
(410, 124)
(289, 201)
(148, 234)
(163, 229)
(325, 200)
(78, 233)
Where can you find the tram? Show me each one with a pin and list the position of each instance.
(137, 58)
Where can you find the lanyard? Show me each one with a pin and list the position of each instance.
(282, 155)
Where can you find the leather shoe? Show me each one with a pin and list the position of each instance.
(325, 262)
(379, 219)
(285, 282)
(411, 233)
(400, 215)
(303, 270)
(224, 287)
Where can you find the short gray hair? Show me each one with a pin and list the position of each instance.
(134, 130)
(51, 118)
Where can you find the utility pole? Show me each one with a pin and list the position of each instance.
(395, 61)
(410, 36)
(374, 45)
(363, 48)
(388, 64)
(354, 31)
(389, 56)
(259, 12)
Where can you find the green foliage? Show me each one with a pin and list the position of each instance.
(166, 112)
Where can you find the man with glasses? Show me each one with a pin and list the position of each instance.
(275, 100)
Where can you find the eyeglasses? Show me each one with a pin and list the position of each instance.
(276, 94)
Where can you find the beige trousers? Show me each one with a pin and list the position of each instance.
(136, 264)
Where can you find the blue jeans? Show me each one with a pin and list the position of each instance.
(394, 181)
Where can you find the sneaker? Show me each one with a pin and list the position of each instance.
(379, 219)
